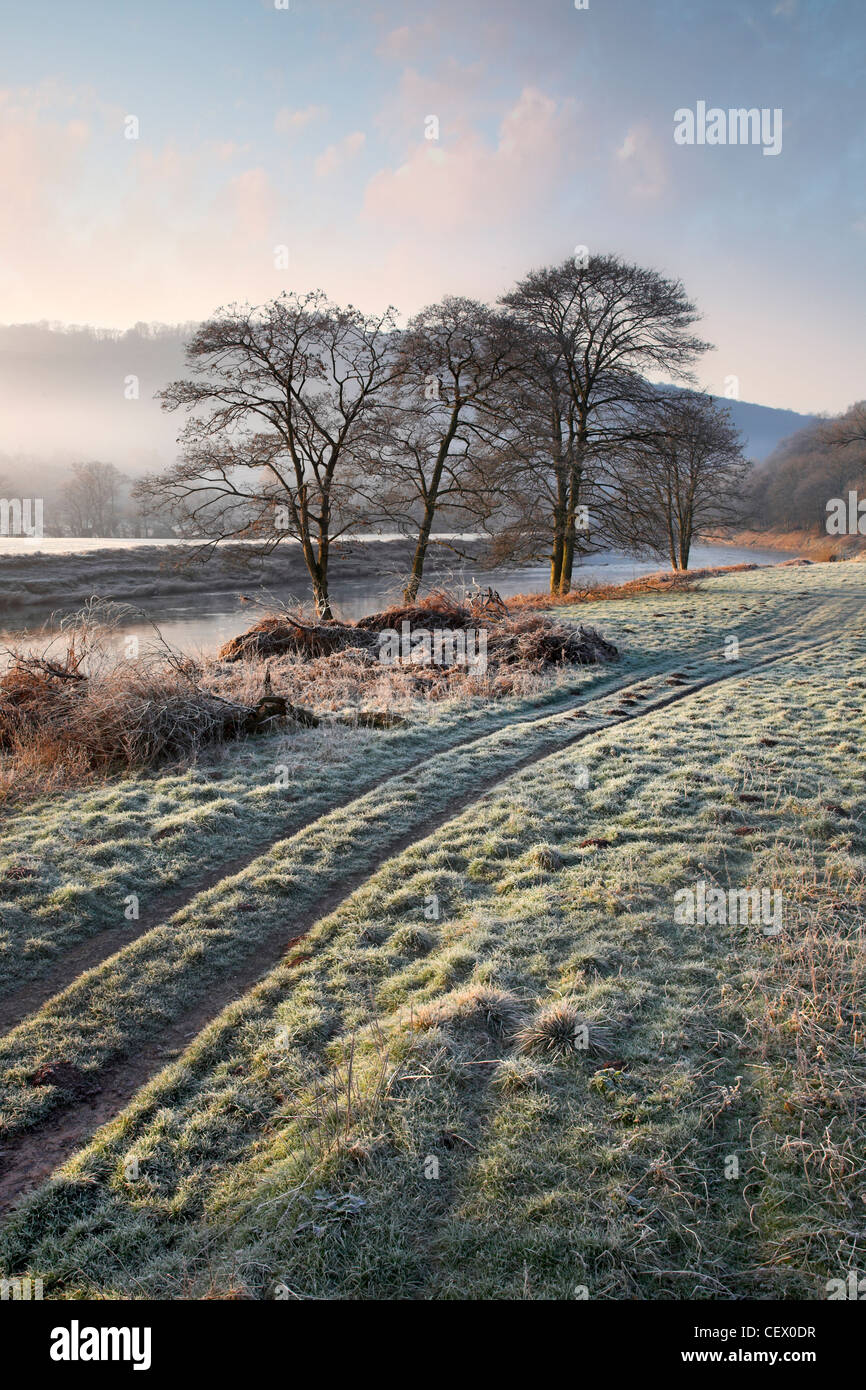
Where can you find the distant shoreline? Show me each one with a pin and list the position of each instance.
(37, 585)
(139, 572)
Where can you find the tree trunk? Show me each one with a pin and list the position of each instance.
(431, 497)
(560, 527)
(567, 557)
(672, 530)
(558, 552)
(686, 528)
(577, 455)
(317, 568)
(413, 584)
(322, 601)
(570, 536)
(672, 543)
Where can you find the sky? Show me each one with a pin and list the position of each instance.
(158, 160)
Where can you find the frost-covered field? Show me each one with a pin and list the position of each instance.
(467, 1048)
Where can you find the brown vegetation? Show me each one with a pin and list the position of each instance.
(812, 542)
(532, 643)
(90, 714)
(66, 720)
(660, 582)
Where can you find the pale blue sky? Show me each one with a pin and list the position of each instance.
(306, 127)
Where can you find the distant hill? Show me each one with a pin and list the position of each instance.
(764, 427)
(87, 393)
(791, 488)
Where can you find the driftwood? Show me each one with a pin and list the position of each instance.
(444, 613)
(279, 634)
(272, 708)
(537, 641)
(126, 717)
(373, 719)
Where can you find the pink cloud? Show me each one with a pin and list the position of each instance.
(251, 199)
(454, 94)
(335, 156)
(395, 44)
(463, 180)
(641, 164)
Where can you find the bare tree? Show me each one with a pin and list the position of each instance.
(849, 428)
(91, 499)
(599, 326)
(541, 499)
(682, 472)
(429, 432)
(276, 400)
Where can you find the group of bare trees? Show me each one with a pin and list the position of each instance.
(681, 473)
(533, 422)
(95, 499)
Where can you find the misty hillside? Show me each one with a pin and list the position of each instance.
(764, 427)
(824, 459)
(86, 393)
(67, 394)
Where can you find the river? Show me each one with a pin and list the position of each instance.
(200, 624)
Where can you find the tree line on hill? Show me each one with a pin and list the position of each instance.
(825, 460)
(85, 498)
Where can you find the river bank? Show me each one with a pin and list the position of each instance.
(44, 580)
(812, 545)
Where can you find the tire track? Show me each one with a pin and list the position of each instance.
(87, 954)
(30, 1158)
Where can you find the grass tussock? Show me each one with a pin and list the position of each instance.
(480, 1006)
(88, 714)
(561, 1030)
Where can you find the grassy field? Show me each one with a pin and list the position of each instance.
(426, 1023)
